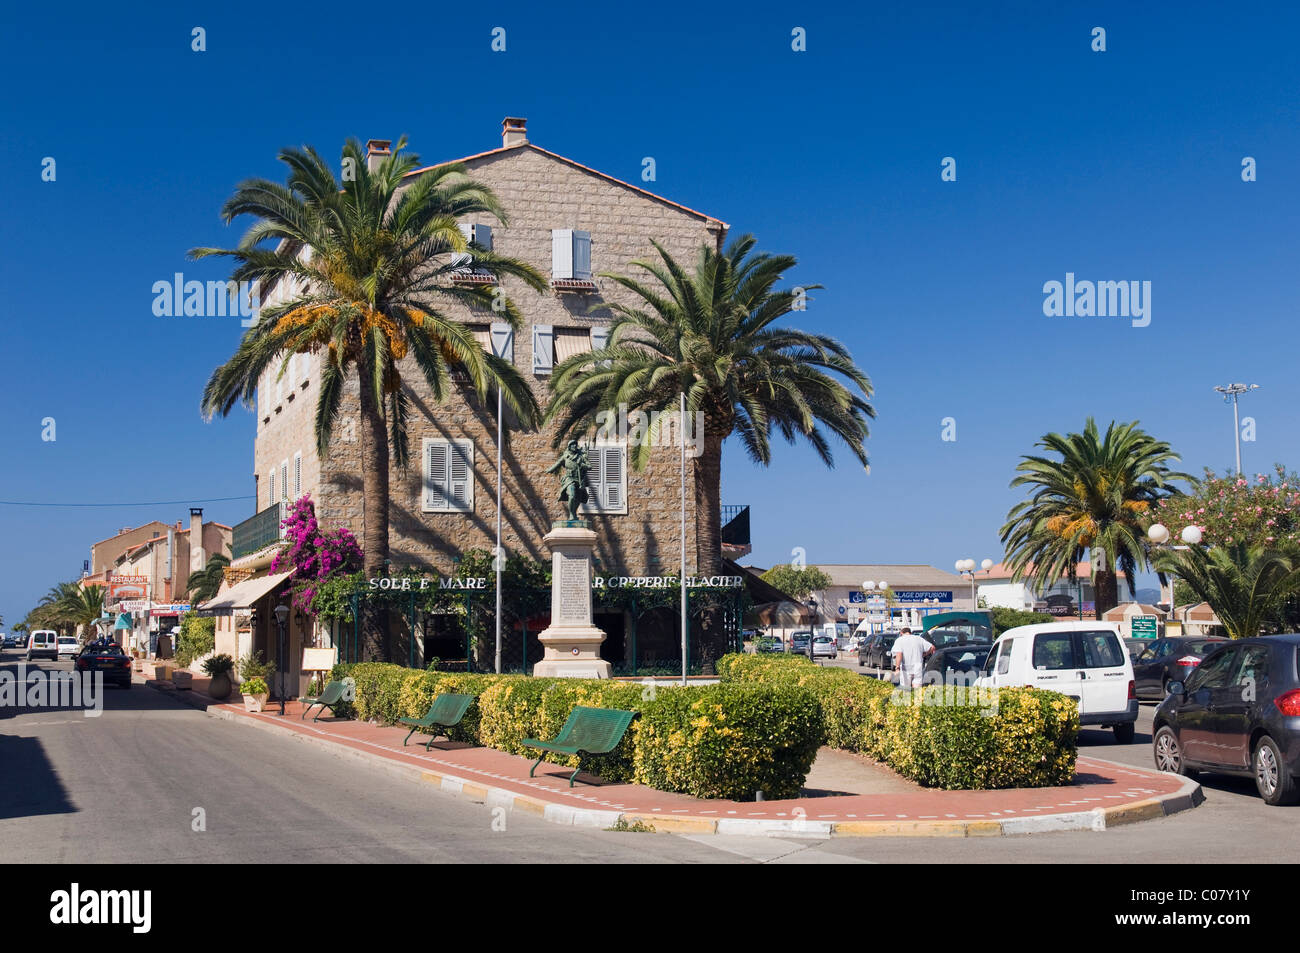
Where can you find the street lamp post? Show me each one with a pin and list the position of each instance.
(966, 567)
(282, 648)
(869, 586)
(812, 628)
(1232, 392)
(1191, 536)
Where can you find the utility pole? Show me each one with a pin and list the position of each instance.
(1233, 391)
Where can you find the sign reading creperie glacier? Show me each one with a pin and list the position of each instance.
(420, 583)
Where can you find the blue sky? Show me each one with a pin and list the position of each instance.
(1122, 165)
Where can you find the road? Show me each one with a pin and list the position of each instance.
(129, 785)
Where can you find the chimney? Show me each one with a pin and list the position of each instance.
(377, 150)
(514, 131)
(196, 538)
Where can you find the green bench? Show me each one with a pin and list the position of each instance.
(586, 731)
(329, 698)
(445, 712)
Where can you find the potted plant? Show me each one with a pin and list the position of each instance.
(218, 669)
(255, 693)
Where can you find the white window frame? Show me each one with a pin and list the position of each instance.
(597, 486)
(439, 501)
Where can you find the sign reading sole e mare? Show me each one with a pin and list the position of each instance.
(421, 583)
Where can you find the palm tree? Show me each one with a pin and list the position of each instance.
(367, 266)
(204, 583)
(711, 335)
(1246, 586)
(1096, 497)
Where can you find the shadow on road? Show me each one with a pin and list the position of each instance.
(33, 786)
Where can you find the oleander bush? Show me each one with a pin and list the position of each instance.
(939, 736)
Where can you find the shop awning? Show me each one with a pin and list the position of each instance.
(242, 595)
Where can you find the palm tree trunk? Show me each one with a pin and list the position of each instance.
(374, 532)
(1105, 591)
(708, 543)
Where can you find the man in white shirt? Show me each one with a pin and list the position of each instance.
(910, 653)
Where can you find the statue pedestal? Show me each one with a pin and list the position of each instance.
(571, 642)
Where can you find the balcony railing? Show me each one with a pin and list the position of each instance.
(735, 531)
(258, 532)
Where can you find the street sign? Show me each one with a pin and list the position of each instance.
(1143, 627)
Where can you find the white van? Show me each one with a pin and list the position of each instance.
(1085, 660)
(43, 643)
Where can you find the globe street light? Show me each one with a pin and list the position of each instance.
(966, 567)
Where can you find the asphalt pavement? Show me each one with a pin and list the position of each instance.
(154, 780)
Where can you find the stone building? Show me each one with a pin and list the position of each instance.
(570, 222)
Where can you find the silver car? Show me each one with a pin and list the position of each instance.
(824, 647)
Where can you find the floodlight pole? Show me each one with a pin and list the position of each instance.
(1233, 391)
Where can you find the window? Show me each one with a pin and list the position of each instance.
(607, 479)
(297, 475)
(284, 481)
(1054, 650)
(1101, 650)
(571, 341)
(480, 235)
(448, 475)
(1004, 658)
(1254, 666)
(1214, 672)
(271, 483)
(570, 254)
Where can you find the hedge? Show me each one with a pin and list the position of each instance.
(718, 741)
(939, 736)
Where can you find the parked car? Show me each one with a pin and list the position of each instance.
(109, 658)
(824, 647)
(956, 664)
(769, 643)
(1082, 659)
(14, 640)
(43, 643)
(1238, 713)
(1164, 661)
(799, 642)
(68, 646)
(877, 651)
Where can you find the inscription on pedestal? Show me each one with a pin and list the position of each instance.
(575, 590)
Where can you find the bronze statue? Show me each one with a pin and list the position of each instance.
(573, 484)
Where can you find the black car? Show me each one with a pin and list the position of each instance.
(108, 658)
(14, 640)
(1238, 713)
(877, 650)
(1169, 660)
(956, 664)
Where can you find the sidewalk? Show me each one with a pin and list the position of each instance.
(1104, 794)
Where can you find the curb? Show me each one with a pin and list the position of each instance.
(1099, 819)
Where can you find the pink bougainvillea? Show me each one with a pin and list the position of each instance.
(313, 554)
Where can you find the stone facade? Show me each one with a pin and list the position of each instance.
(540, 192)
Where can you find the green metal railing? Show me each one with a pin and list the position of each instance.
(257, 532)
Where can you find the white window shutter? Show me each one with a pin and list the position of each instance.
(582, 255)
(562, 253)
(543, 348)
(297, 475)
(595, 479)
(435, 475)
(461, 482)
(599, 337)
(613, 477)
(284, 480)
(271, 484)
(503, 342)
